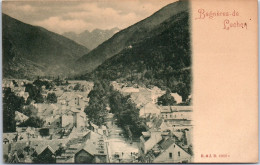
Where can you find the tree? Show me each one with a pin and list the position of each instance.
(97, 108)
(30, 110)
(96, 111)
(77, 87)
(39, 98)
(126, 113)
(51, 98)
(15, 83)
(11, 103)
(33, 121)
(183, 90)
(166, 99)
(34, 93)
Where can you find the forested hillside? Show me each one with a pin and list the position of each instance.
(163, 60)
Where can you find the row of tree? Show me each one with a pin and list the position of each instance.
(127, 114)
(98, 105)
(104, 98)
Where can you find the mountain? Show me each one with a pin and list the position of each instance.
(91, 39)
(30, 51)
(155, 51)
(132, 35)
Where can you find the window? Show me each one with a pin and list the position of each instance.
(170, 155)
(179, 153)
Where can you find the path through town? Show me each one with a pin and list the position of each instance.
(120, 149)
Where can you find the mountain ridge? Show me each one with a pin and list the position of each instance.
(91, 39)
(40, 49)
(126, 37)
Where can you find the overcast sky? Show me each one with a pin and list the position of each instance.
(77, 16)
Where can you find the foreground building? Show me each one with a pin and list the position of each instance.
(167, 151)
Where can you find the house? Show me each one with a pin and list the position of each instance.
(102, 130)
(32, 132)
(74, 145)
(148, 140)
(176, 112)
(149, 108)
(129, 90)
(20, 117)
(10, 137)
(67, 119)
(177, 117)
(140, 100)
(46, 110)
(46, 155)
(116, 86)
(80, 119)
(84, 157)
(160, 125)
(188, 135)
(177, 97)
(180, 124)
(75, 117)
(94, 146)
(53, 121)
(86, 86)
(89, 147)
(7, 84)
(20, 91)
(74, 99)
(46, 148)
(6, 141)
(156, 123)
(155, 93)
(25, 95)
(167, 151)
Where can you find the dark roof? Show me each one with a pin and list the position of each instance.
(166, 143)
(6, 140)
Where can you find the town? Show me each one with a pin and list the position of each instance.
(77, 121)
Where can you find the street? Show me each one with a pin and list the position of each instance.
(119, 148)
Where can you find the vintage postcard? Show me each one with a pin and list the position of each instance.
(133, 81)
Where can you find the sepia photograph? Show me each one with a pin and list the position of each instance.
(97, 81)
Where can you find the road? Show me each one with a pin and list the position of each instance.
(119, 148)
